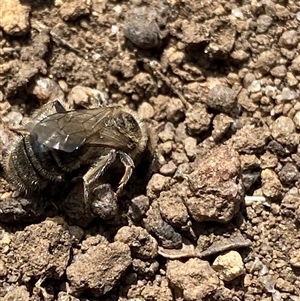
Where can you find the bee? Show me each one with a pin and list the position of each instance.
(64, 141)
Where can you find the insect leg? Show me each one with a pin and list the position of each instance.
(129, 165)
(97, 170)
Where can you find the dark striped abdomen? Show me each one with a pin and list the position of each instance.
(30, 166)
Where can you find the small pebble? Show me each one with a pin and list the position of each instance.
(255, 86)
(221, 98)
(190, 147)
(14, 17)
(146, 111)
(263, 23)
(141, 25)
(13, 119)
(194, 278)
(288, 94)
(297, 119)
(141, 243)
(138, 207)
(168, 169)
(74, 9)
(282, 128)
(295, 67)
(229, 266)
(289, 39)
(295, 258)
(237, 13)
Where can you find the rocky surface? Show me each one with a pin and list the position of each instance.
(214, 214)
(98, 268)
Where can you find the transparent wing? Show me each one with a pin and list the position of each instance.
(70, 130)
(52, 107)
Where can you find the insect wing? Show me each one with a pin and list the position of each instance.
(48, 109)
(109, 137)
(68, 131)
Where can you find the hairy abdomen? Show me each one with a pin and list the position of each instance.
(30, 166)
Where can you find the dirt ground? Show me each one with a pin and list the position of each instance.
(212, 210)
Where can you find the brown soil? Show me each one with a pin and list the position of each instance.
(217, 84)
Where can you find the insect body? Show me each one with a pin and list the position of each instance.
(66, 140)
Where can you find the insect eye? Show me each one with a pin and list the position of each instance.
(127, 122)
(120, 122)
(131, 123)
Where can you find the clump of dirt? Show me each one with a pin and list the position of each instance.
(214, 215)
